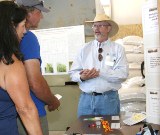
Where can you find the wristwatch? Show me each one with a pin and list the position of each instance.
(82, 79)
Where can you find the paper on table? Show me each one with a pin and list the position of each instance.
(115, 117)
(58, 96)
(135, 118)
(115, 125)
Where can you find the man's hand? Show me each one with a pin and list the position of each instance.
(54, 105)
(87, 74)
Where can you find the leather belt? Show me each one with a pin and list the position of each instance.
(94, 93)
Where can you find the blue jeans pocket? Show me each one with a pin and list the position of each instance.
(112, 103)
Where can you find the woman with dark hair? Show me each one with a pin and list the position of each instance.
(14, 89)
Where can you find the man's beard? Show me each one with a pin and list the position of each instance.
(99, 36)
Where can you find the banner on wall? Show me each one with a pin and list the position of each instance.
(58, 47)
(152, 60)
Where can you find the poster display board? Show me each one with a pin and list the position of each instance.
(152, 60)
(58, 47)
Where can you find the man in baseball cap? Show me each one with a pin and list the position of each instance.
(30, 48)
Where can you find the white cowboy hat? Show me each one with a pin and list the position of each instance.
(103, 17)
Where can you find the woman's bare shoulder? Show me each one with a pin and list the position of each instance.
(11, 71)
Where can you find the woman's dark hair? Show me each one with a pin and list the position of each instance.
(10, 16)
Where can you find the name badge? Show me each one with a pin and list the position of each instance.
(109, 61)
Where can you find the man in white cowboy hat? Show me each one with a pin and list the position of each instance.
(100, 67)
(40, 91)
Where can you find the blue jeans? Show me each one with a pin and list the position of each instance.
(106, 104)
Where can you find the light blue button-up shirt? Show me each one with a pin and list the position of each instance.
(113, 67)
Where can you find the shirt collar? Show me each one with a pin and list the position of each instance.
(102, 44)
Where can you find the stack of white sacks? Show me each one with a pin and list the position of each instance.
(133, 94)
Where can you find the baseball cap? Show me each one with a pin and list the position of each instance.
(33, 3)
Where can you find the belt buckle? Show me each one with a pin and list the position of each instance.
(94, 93)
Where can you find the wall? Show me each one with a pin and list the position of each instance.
(127, 11)
(67, 114)
(67, 13)
(123, 11)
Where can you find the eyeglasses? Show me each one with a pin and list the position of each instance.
(100, 57)
(99, 26)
